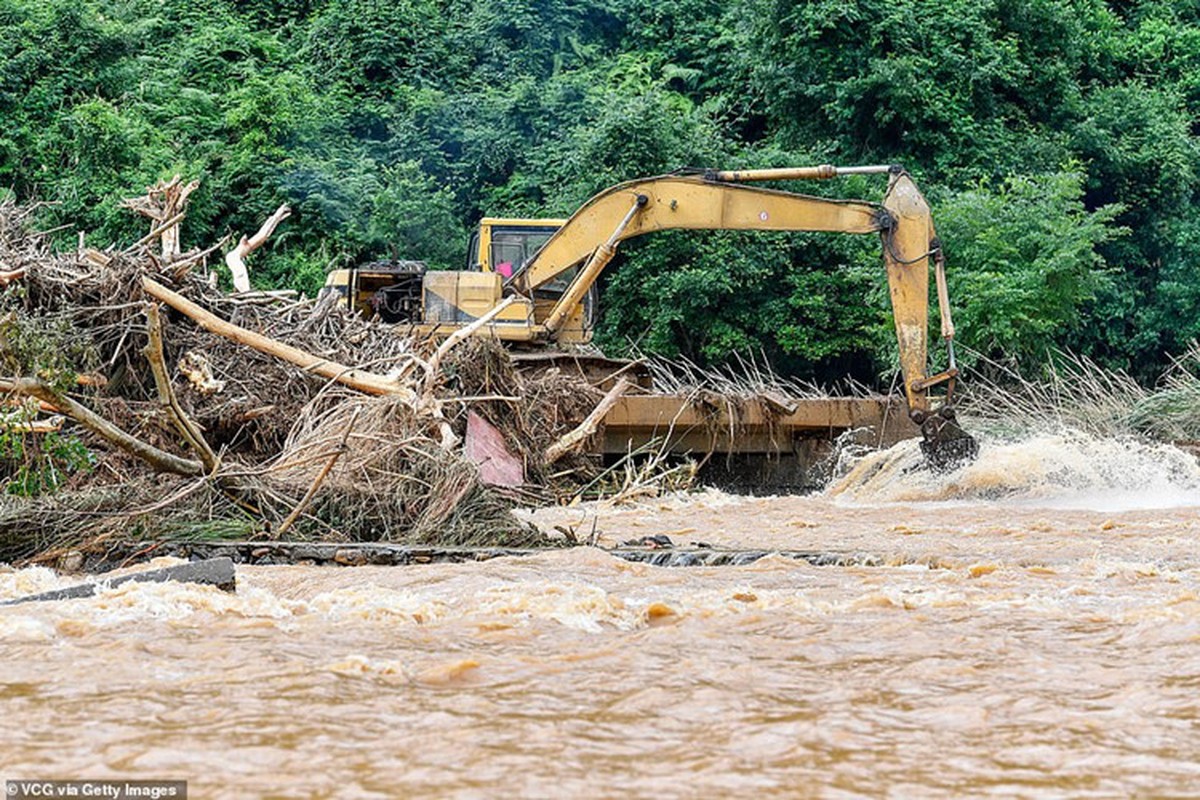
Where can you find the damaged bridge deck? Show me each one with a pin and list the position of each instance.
(331, 554)
(761, 425)
(763, 443)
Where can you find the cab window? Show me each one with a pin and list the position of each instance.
(513, 247)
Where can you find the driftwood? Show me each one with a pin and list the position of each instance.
(37, 426)
(429, 403)
(161, 230)
(425, 404)
(433, 366)
(166, 395)
(247, 445)
(9, 275)
(180, 266)
(161, 460)
(236, 258)
(165, 203)
(361, 380)
(573, 440)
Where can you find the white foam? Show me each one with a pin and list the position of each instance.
(1065, 470)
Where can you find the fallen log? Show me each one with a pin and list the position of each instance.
(363, 381)
(218, 572)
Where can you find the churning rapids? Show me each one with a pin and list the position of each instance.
(1036, 633)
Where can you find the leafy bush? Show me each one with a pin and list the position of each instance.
(1024, 261)
(32, 465)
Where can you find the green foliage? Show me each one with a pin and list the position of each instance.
(392, 127)
(410, 212)
(957, 86)
(708, 295)
(32, 465)
(1025, 261)
(50, 352)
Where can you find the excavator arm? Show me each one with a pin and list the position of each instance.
(720, 200)
(693, 202)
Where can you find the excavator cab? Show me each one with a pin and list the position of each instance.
(505, 245)
(435, 301)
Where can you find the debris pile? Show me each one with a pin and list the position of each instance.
(144, 404)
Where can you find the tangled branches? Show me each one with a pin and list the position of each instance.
(244, 416)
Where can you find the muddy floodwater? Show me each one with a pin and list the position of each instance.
(1034, 631)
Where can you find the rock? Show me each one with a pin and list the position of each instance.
(71, 561)
(349, 557)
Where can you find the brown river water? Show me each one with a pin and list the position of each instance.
(1035, 633)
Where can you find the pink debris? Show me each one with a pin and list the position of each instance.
(485, 446)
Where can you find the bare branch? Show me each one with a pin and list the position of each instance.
(159, 459)
(235, 258)
(166, 395)
(574, 439)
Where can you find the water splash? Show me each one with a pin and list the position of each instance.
(1067, 470)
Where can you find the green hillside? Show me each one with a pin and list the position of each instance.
(1056, 140)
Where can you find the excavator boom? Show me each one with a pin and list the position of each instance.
(690, 202)
(721, 200)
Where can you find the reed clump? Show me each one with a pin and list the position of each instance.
(1074, 392)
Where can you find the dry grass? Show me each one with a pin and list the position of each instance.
(744, 377)
(1078, 394)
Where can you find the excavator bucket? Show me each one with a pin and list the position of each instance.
(945, 445)
(909, 243)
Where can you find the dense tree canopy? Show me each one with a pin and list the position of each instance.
(1056, 140)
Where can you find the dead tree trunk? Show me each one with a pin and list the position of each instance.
(165, 205)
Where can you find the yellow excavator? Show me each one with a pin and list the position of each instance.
(533, 281)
